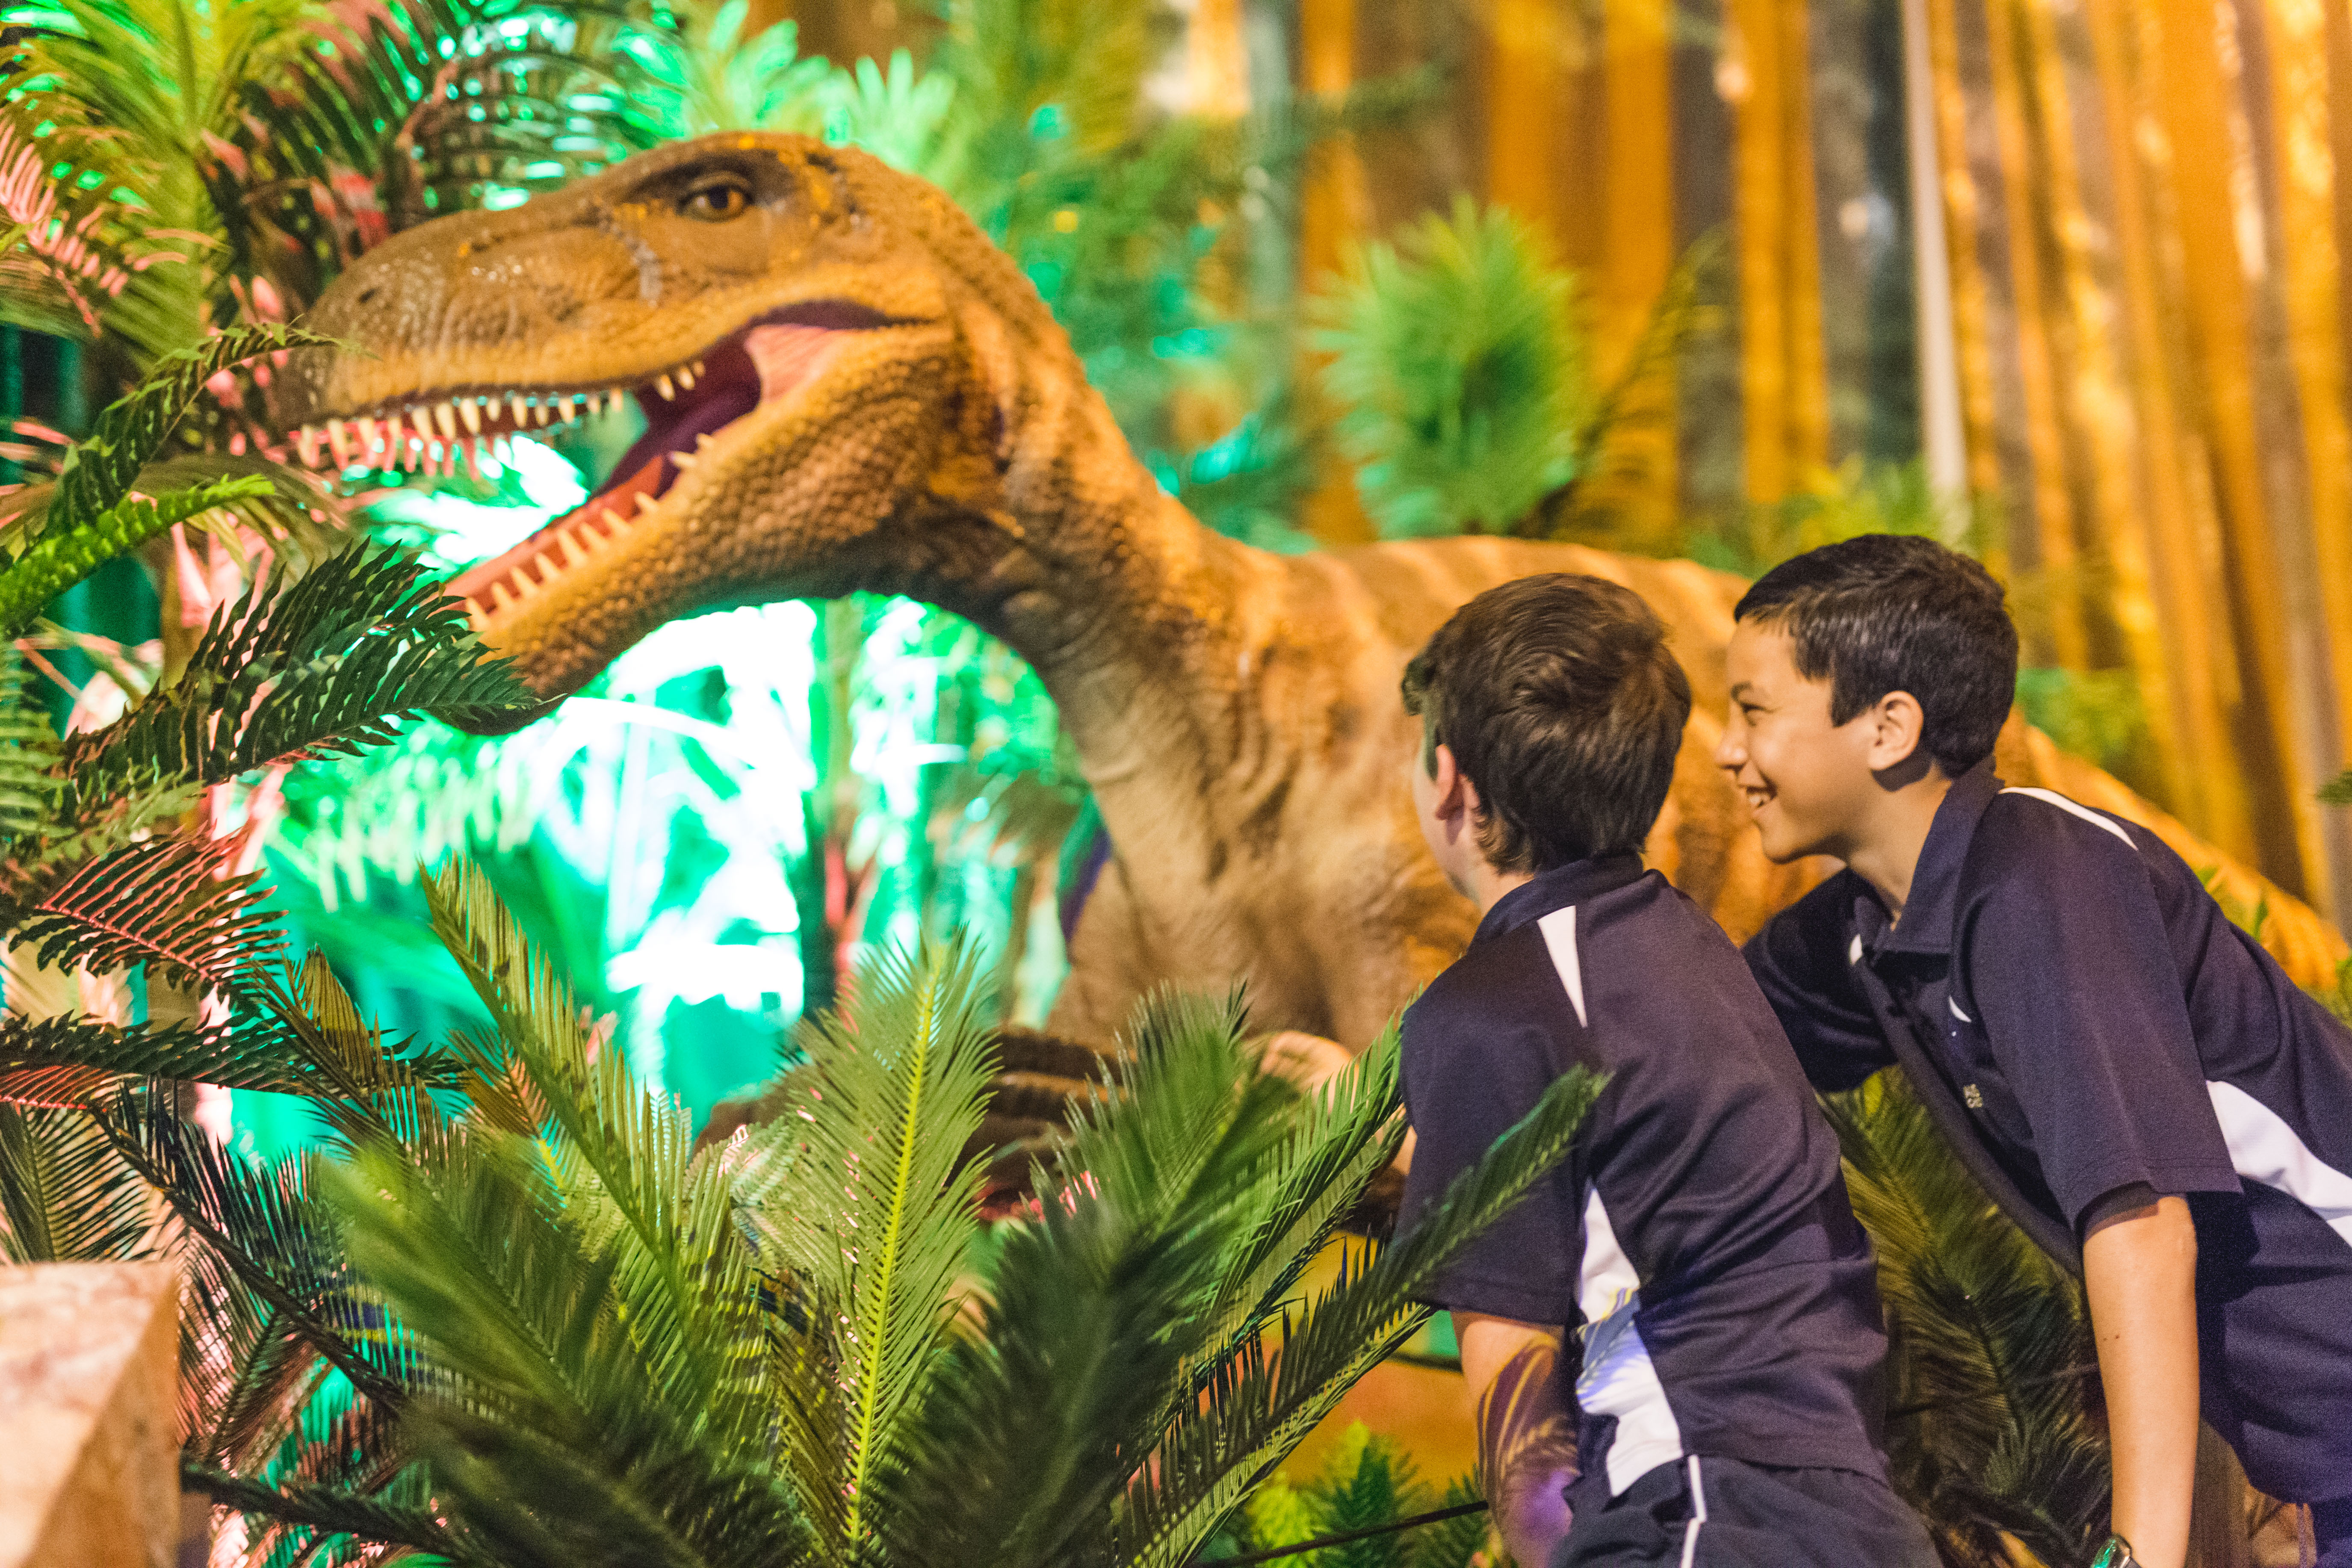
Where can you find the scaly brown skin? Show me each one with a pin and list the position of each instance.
(926, 430)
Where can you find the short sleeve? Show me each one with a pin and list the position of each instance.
(2063, 953)
(1804, 963)
(1465, 1089)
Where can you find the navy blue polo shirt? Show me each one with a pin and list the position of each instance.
(1699, 1234)
(2079, 1015)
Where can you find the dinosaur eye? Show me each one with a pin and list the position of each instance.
(717, 200)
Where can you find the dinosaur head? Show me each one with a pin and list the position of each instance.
(796, 321)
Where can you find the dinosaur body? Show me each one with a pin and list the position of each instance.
(848, 388)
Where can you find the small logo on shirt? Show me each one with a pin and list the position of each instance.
(1972, 1097)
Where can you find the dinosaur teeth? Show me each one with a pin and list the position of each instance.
(471, 413)
(445, 417)
(339, 444)
(702, 440)
(646, 504)
(686, 377)
(502, 595)
(540, 413)
(420, 419)
(521, 409)
(662, 386)
(613, 523)
(682, 462)
(306, 445)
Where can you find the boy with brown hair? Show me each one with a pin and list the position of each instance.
(1723, 1396)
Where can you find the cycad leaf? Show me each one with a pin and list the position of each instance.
(169, 901)
(98, 472)
(321, 667)
(79, 1061)
(28, 753)
(330, 1510)
(64, 555)
(879, 1209)
(1259, 1407)
(65, 1194)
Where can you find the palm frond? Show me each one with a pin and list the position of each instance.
(98, 471)
(322, 667)
(330, 1510)
(28, 753)
(623, 1159)
(563, 1449)
(1458, 358)
(1990, 1354)
(1259, 1405)
(80, 1062)
(57, 561)
(167, 902)
(878, 1211)
(1098, 1302)
(65, 1194)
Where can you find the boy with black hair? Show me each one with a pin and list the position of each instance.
(1725, 1409)
(2132, 1078)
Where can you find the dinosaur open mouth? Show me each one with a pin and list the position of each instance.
(685, 409)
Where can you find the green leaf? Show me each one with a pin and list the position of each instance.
(331, 1508)
(98, 472)
(878, 1211)
(61, 556)
(65, 1194)
(28, 753)
(321, 666)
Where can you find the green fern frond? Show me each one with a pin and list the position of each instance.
(78, 1061)
(167, 902)
(1258, 1407)
(329, 1510)
(1457, 359)
(1991, 1352)
(65, 1194)
(322, 667)
(28, 753)
(695, 72)
(99, 470)
(879, 1210)
(60, 558)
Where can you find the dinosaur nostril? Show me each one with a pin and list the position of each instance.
(367, 296)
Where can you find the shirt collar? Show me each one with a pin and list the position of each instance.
(1556, 889)
(1927, 924)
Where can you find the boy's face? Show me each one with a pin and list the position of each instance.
(1808, 784)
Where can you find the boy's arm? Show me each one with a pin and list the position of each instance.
(1527, 1436)
(2139, 1270)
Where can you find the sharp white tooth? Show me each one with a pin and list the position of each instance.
(339, 444)
(570, 549)
(569, 409)
(476, 615)
(686, 377)
(703, 441)
(521, 409)
(445, 417)
(502, 595)
(539, 413)
(420, 419)
(613, 522)
(471, 413)
(698, 367)
(646, 503)
(682, 462)
(306, 446)
(662, 386)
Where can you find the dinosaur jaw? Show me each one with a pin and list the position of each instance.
(690, 411)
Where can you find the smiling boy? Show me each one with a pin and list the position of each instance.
(2133, 1079)
(1723, 1394)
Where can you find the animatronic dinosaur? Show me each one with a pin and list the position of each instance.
(848, 387)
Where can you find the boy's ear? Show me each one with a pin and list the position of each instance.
(1454, 792)
(1897, 727)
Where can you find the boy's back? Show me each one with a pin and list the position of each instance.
(1701, 1232)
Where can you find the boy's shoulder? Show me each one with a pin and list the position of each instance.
(1637, 961)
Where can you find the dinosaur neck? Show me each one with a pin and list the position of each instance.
(1132, 613)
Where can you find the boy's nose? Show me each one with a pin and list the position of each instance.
(1730, 754)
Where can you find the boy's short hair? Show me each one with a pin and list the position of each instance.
(1561, 702)
(1890, 612)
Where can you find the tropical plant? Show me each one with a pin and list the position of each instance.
(1993, 1433)
(1459, 360)
(1366, 1488)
